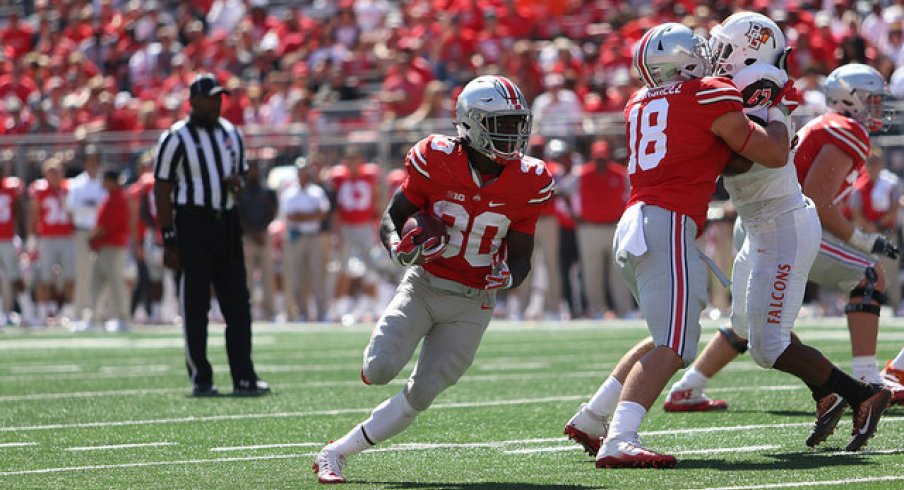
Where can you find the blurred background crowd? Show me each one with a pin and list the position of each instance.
(346, 85)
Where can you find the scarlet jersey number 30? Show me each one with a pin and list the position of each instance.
(647, 124)
(477, 237)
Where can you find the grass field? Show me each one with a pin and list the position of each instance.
(113, 412)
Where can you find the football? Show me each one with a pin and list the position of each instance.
(736, 165)
(431, 226)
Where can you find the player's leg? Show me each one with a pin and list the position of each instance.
(842, 267)
(448, 350)
(670, 273)
(687, 395)
(590, 424)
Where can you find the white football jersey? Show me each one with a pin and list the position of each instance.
(761, 185)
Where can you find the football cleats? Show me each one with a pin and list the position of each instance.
(743, 39)
(859, 92)
(671, 52)
(492, 116)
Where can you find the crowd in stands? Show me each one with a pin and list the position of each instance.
(123, 66)
(82, 67)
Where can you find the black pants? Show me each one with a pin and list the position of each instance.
(210, 251)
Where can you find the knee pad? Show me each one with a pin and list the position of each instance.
(762, 359)
(738, 343)
(867, 294)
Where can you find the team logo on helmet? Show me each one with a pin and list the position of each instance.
(758, 35)
(509, 92)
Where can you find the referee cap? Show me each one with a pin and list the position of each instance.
(206, 85)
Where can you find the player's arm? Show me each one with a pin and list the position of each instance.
(394, 217)
(767, 146)
(826, 175)
(520, 249)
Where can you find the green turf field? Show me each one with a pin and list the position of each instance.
(114, 412)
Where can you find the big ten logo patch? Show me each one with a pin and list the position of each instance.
(758, 35)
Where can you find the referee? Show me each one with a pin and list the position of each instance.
(198, 171)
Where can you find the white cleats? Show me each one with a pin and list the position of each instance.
(329, 465)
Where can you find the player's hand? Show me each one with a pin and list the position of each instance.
(500, 277)
(760, 84)
(171, 258)
(883, 247)
(789, 98)
(782, 61)
(406, 253)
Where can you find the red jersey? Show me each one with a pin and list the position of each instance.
(601, 196)
(10, 191)
(832, 129)
(113, 217)
(478, 217)
(54, 219)
(142, 193)
(674, 158)
(356, 201)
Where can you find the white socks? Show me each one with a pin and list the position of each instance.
(898, 361)
(390, 418)
(865, 369)
(626, 421)
(603, 402)
(693, 379)
(352, 443)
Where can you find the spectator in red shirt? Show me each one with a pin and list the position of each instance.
(598, 199)
(16, 37)
(110, 240)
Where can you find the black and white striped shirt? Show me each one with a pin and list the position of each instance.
(197, 159)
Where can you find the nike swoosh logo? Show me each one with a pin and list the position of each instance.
(496, 204)
(866, 425)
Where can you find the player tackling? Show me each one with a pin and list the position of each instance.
(681, 129)
(489, 194)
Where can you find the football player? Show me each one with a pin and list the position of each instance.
(50, 235)
(681, 129)
(782, 242)
(832, 149)
(489, 195)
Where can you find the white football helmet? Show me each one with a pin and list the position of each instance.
(671, 52)
(493, 117)
(743, 39)
(859, 92)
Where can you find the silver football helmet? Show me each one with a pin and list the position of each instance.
(743, 39)
(671, 52)
(493, 117)
(859, 92)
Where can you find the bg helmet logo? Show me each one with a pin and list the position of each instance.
(758, 35)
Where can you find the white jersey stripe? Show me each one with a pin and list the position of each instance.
(540, 199)
(848, 139)
(710, 100)
(716, 90)
(418, 162)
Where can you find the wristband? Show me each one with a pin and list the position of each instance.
(169, 236)
(862, 240)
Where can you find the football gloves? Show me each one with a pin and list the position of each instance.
(406, 253)
(500, 277)
(873, 243)
(760, 84)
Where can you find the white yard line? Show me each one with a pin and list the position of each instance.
(816, 483)
(17, 444)
(264, 446)
(152, 463)
(120, 446)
